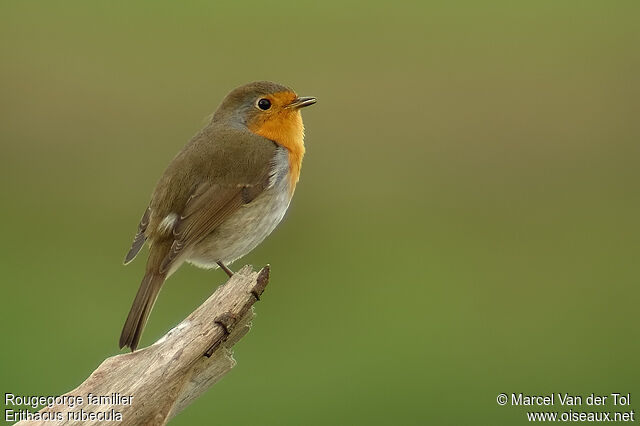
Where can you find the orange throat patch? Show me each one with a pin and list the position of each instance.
(284, 127)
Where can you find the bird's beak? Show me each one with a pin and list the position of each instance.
(302, 102)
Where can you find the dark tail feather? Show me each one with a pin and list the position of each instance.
(140, 310)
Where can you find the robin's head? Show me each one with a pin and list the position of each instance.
(271, 111)
(267, 109)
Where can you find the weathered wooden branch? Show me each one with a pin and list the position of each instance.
(167, 376)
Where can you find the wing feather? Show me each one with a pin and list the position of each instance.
(204, 187)
(140, 238)
(205, 211)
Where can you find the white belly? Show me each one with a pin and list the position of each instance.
(250, 225)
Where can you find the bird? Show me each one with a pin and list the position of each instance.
(223, 193)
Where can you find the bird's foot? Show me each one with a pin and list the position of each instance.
(222, 266)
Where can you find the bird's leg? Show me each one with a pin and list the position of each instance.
(224, 268)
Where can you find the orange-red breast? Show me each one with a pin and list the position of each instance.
(223, 193)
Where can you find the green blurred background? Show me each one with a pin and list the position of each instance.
(466, 222)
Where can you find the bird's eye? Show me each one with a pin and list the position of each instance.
(264, 104)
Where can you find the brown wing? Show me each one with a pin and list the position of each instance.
(218, 171)
(206, 209)
(140, 238)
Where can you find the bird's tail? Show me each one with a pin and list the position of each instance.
(141, 308)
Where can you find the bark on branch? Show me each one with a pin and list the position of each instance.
(167, 376)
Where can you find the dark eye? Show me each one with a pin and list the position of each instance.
(264, 104)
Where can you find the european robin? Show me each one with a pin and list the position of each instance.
(223, 193)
